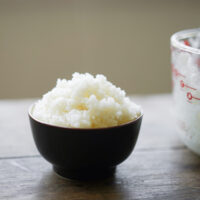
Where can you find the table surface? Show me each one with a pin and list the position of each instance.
(160, 167)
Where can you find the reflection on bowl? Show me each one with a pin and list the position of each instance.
(85, 153)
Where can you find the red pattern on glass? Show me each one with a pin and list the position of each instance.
(190, 96)
(187, 86)
(176, 72)
(186, 42)
(182, 83)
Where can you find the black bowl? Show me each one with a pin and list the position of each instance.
(80, 153)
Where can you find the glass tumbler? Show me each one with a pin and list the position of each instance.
(185, 62)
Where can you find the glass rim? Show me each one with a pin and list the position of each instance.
(176, 37)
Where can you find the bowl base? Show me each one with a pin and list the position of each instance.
(86, 174)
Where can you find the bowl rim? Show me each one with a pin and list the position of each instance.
(82, 129)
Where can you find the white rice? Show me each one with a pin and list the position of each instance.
(85, 102)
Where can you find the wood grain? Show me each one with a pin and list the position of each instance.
(154, 175)
(160, 168)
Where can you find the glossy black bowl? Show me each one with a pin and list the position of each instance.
(85, 153)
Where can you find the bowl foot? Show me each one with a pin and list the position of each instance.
(86, 174)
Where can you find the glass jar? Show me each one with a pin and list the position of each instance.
(185, 62)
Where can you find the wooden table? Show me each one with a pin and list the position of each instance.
(159, 168)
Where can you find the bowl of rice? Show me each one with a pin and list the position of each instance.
(85, 126)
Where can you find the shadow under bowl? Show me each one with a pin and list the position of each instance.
(85, 153)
